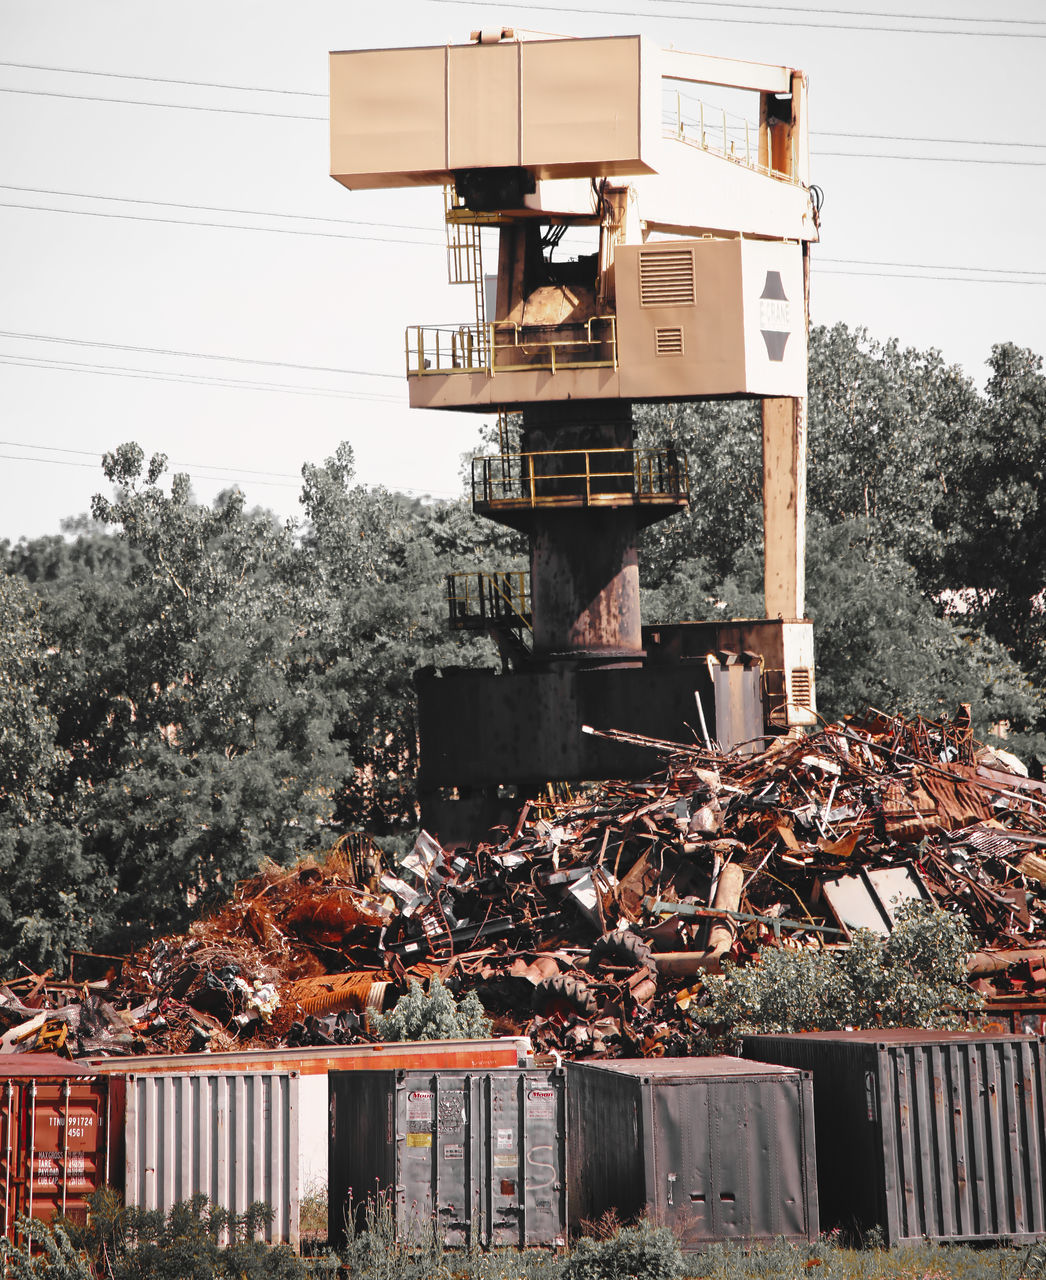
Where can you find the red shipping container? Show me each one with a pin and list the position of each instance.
(58, 1123)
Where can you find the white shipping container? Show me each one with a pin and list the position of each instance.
(233, 1137)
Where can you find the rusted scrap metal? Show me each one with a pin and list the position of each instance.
(589, 922)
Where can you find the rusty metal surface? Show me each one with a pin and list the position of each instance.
(927, 1135)
(57, 1136)
(870, 899)
(481, 729)
(717, 1149)
(483, 1154)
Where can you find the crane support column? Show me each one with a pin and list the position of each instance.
(784, 505)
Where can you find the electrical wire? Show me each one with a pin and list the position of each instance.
(207, 208)
(67, 462)
(192, 379)
(851, 13)
(929, 266)
(195, 355)
(895, 275)
(218, 226)
(196, 84)
(171, 106)
(195, 475)
(200, 466)
(860, 155)
(758, 22)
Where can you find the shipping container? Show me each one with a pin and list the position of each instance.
(715, 1148)
(57, 1124)
(312, 1066)
(233, 1137)
(478, 1156)
(925, 1134)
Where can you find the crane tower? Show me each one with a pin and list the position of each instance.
(695, 286)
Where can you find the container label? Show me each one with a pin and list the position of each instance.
(504, 1139)
(502, 1161)
(419, 1139)
(451, 1111)
(419, 1105)
(453, 1151)
(541, 1104)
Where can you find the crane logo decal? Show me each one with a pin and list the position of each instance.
(775, 316)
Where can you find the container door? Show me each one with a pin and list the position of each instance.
(543, 1151)
(685, 1182)
(12, 1175)
(65, 1145)
(435, 1164)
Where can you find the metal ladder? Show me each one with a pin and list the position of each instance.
(465, 262)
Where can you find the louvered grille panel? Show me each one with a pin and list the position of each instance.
(801, 688)
(668, 342)
(666, 278)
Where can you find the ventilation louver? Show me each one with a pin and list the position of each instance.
(668, 342)
(802, 688)
(666, 278)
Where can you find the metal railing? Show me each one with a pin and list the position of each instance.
(506, 347)
(579, 478)
(479, 600)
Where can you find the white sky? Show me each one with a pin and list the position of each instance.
(338, 298)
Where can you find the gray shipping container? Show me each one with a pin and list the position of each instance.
(715, 1148)
(926, 1134)
(480, 1154)
(232, 1137)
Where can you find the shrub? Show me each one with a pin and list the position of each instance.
(642, 1252)
(195, 1240)
(916, 977)
(436, 1016)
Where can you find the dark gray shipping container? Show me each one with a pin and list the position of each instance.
(926, 1134)
(479, 1153)
(715, 1148)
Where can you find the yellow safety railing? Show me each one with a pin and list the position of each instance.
(579, 477)
(479, 599)
(507, 347)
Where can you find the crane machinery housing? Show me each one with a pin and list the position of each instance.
(695, 286)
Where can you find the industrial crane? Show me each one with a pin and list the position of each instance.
(695, 286)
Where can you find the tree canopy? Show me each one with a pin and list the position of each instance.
(188, 689)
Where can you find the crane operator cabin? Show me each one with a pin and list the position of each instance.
(695, 286)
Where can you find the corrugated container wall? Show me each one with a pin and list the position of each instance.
(479, 1153)
(926, 1134)
(312, 1066)
(56, 1135)
(232, 1137)
(715, 1148)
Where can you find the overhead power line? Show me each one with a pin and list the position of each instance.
(199, 466)
(217, 226)
(864, 155)
(897, 275)
(676, 16)
(68, 462)
(195, 355)
(192, 379)
(196, 84)
(207, 208)
(171, 106)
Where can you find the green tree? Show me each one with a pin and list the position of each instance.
(997, 513)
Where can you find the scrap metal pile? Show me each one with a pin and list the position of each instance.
(590, 923)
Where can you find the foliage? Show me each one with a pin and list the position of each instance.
(193, 1241)
(913, 978)
(58, 1258)
(435, 1016)
(783, 1260)
(186, 689)
(642, 1252)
